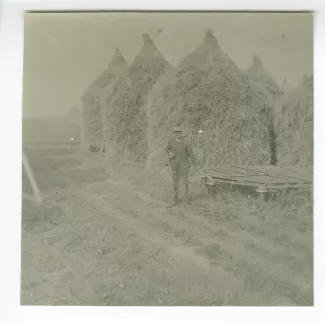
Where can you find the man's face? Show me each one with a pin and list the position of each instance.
(178, 135)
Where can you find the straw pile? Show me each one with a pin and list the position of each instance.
(126, 117)
(92, 114)
(294, 125)
(208, 91)
(285, 86)
(257, 73)
(266, 83)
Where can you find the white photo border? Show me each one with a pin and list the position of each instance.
(11, 60)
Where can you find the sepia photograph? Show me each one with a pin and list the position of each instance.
(167, 159)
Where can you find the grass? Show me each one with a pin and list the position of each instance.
(109, 240)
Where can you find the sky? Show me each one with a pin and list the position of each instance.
(64, 52)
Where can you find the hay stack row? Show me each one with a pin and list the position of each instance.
(294, 125)
(137, 108)
(92, 114)
(285, 86)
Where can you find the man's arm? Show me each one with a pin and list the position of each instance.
(169, 149)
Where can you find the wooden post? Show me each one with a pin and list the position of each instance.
(263, 193)
(204, 180)
(32, 179)
(71, 143)
(211, 189)
(211, 184)
(102, 148)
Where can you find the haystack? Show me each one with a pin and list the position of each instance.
(257, 73)
(209, 92)
(126, 117)
(294, 125)
(286, 87)
(267, 84)
(92, 114)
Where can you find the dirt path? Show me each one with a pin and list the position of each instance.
(113, 242)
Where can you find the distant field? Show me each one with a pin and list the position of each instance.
(57, 129)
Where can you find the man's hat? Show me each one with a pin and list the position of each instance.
(178, 129)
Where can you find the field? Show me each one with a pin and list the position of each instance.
(103, 236)
(58, 129)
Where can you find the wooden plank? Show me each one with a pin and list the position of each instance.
(304, 175)
(269, 179)
(287, 172)
(273, 177)
(229, 181)
(246, 170)
(237, 182)
(283, 173)
(270, 171)
(252, 169)
(224, 171)
(298, 185)
(257, 181)
(32, 179)
(268, 186)
(251, 178)
(219, 174)
(289, 178)
(227, 173)
(261, 179)
(237, 171)
(232, 170)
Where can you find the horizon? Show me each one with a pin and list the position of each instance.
(65, 52)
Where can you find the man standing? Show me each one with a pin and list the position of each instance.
(180, 153)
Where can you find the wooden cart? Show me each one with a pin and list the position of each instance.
(262, 178)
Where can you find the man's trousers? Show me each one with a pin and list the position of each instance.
(179, 171)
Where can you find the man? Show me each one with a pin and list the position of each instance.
(180, 153)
